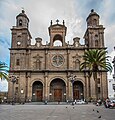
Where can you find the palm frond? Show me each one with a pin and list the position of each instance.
(3, 71)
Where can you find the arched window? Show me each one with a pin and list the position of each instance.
(38, 64)
(77, 64)
(20, 22)
(94, 22)
(18, 62)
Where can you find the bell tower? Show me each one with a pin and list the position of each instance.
(22, 20)
(57, 32)
(94, 35)
(21, 37)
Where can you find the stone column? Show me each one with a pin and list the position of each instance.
(102, 34)
(90, 39)
(46, 60)
(101, 87)
(68, 59)
(100, 40)
(26, 89)
(27, 86)
(46, 86)
(29, 94)
(85, 87)
(67, 89)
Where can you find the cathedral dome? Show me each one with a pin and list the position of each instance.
(93, 13)
(22, 14)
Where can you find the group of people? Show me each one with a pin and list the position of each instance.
(106, 102)
(99, 102)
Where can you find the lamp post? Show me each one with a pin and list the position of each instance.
(72, 78)
(50, 96)
(13, 80)
(22, 92)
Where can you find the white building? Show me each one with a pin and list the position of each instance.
(111, 88)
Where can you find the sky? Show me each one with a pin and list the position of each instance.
(41, 12)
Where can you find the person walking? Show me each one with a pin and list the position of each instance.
(107, 101)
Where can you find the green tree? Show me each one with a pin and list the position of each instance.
(94, 62)
(3, 71)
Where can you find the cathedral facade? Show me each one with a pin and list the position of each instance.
(52, 72)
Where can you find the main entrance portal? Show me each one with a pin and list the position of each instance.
(37, 91)
(78, 90)
(57, 90)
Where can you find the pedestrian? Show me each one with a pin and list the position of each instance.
(58, 101)
(67, 101)
(99, 102)
(107, 102)
(75, 101)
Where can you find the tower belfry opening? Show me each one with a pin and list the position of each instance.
(57, 33)
(57, 40)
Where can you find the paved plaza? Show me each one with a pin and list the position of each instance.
(56, 112)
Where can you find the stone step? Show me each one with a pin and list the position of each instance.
(49, 103)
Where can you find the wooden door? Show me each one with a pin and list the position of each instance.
(76, 94)
(39, 95)
(57, 94)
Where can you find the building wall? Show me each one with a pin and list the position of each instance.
(111, 91)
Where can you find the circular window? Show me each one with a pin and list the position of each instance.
(57, 60)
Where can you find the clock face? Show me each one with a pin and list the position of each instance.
(57, 60)
(18, 43)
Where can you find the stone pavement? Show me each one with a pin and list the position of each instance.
(56, 112)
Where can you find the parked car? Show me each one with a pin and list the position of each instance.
(79, 102)
(109, 103)
(112, 100)
(112, 105)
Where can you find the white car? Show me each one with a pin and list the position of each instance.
(112, 100)
(79, 102)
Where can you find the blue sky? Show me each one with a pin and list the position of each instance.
(41, 12)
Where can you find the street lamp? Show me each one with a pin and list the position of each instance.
(72, 78)
(22, 92)
(13, 80)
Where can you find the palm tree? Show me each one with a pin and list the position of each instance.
(94, 61)
(3, 71)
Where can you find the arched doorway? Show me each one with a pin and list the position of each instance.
(78, 90)
(57, 90)
(37, 91)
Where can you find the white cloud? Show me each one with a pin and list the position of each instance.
(3, 85)
(45, 11)
(4, 52)
(108, 20)
(110, 37)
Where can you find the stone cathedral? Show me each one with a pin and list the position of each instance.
(43, 71)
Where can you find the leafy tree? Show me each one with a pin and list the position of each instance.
(3, 71)
(94, 62)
